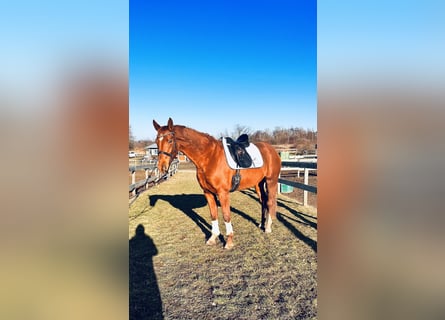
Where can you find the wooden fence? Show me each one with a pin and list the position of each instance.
(306, 166)
(151, 174)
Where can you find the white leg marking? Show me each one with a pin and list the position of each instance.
(215, 228)
(268, 224)
(229, 229)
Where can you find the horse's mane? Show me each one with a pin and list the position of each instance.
(189, 133)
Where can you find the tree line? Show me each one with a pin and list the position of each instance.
(293, 138)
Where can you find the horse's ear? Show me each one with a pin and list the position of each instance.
(170, 124)
(156, 125)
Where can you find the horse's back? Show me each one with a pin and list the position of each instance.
(272, 162)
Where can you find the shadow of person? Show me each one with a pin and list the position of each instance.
(145, 297)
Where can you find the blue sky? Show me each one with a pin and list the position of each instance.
(40, 40)
(213, 64)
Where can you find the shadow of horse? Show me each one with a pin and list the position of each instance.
(187, 203)
(311, 243)
(145, 297)
(300, 218)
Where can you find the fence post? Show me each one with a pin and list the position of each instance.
(279, 184)
(306, 181)
(133, 180)
(146, 178)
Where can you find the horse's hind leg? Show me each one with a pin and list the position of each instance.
(262, 195)
(271, 202)
(258, 190)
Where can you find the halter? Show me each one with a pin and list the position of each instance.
(160, 137)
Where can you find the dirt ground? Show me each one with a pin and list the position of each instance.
(175, 275)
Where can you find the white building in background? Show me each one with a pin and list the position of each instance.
(151, 152)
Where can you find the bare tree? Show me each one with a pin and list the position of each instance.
(130, 138)
(299, 138)
(239, 130)
(224, 134)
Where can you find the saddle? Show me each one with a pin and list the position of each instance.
(238, 151)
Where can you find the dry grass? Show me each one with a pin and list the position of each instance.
(174, 275)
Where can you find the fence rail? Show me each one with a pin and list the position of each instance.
(306, 166)
(151, 174)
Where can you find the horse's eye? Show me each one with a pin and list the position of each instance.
(170, 141)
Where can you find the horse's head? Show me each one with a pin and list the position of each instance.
(166, 141)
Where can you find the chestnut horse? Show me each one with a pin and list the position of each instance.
(215, 176)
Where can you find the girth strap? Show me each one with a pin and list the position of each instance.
(236, 179)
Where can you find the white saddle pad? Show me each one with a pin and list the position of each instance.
(252, 150)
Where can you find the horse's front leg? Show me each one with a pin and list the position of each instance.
(224, 199)
(214, 215)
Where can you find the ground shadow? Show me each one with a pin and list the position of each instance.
(187, 203)
(302, 219)
(311, 243)
(145, 298)
(283, 202)
(245, 216)
(250, 193)
(299, 215)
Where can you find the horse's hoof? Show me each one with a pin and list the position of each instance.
(212, 240)
(268, 230)
(229, 242)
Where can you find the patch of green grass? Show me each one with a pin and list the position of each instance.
(265, 276)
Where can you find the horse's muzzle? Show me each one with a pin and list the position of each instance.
(163, 167)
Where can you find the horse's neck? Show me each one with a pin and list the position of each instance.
(197, 146)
